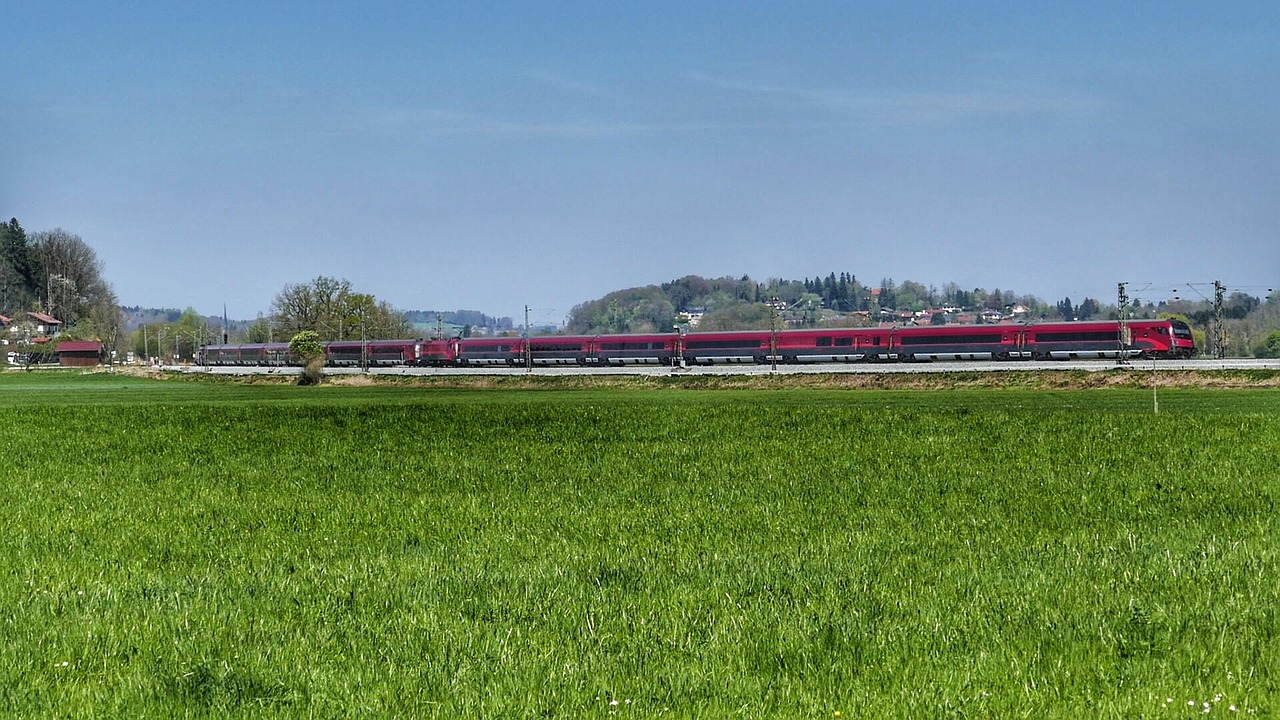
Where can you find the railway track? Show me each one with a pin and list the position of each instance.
(825, 368)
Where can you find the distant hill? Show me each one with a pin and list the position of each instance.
(137, 316)
(729, 303)
(452, 322)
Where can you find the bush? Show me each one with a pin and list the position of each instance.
(1269, 348)
(306, 345)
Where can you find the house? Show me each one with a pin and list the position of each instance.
(690, 317)
(46, 325)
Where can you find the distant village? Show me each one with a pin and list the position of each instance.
(33, 331)
(946, 314)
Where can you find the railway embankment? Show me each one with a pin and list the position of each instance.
(1132, 377)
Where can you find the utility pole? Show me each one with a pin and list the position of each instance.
(364, 350)
(528, 347)
(1122, 302)
(1219, 331)
(773, 336)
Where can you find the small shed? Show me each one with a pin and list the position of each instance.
(79, 354)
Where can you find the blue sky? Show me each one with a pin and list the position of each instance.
(492, 155)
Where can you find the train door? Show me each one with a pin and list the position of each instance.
(1016, 343)
(870, 345)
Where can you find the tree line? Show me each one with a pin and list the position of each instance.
(329, 307)
(56, 273)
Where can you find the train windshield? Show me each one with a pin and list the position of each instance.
(1181, 330)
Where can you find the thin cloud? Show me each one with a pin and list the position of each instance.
(917, 108)
(431, 122)
(567, 85)
(451, 123)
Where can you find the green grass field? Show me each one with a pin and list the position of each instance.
(199, 548)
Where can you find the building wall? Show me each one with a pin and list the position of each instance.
(78, 360)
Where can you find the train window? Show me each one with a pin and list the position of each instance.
(877, 341)
(844, 342)
(629, 346)
(824, 342)
(1075, 336)
(718, 344)
(950, 340)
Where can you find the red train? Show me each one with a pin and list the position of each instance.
(344, 353)
(1033, 341)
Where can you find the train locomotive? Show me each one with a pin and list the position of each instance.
(1170, 339)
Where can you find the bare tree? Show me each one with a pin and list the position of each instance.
(336, 312)
(72, 275)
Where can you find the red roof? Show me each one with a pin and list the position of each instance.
(79, 346)
(42, 318)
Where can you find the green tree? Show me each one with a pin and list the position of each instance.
(146, 340)
(1269, 347)
(652, 314)
(189, 333)
(19, 269)
(739, 316)
(888, 294)
(686, 293)
(259, 331)
(20, 335)
(642, 309)
(306, 345)
(912, 296)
